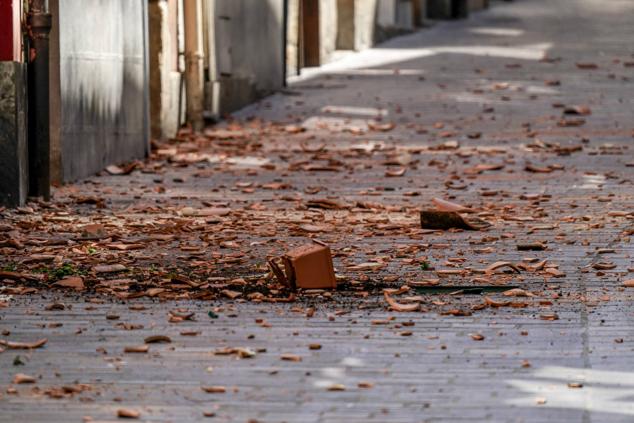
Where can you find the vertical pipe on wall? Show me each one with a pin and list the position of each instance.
(194, 77)
(55, 98)
(284, 42)
(212, 103)
(39, 23)
(146, 76)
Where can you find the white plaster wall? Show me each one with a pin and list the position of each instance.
(365, 22)
(386, 14)
(327, 29)
(248, 50)
(103, 84)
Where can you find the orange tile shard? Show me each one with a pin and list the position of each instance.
(309, 267)
(442, 220)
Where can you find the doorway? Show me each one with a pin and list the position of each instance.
(309, 33)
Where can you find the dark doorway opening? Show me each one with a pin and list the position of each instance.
(459, 9)
(309, 33)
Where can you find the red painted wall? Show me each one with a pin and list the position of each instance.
(10, 30)
(6, 30)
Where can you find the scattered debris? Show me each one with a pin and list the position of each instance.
(137, 349)
(604, 265)
(128, 413)
(307, 267)
(517, 292)
(577, 110)
(381, 127)
(23, 345)
(443, 220)
(533, 246)
(444, 205)
(157, 339)
(587, 65)
(125, 170)
(214, 389)
(499, 265)
(109, 268)
(21, 378)
(396, 306)
(72, 282)
(549, 316)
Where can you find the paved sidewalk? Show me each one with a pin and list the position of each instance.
(523, 112)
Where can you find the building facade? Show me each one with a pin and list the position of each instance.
(316, 29)
(99, 90)
(212, 57)
(113, 74)
(13, 107)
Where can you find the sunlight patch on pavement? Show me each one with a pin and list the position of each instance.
(592, 182)
(526, 52)
(492, 97)
(502, 32)
(355, 111)
(603, 377)
(370, 58)
(377, 57)
(466, 97)
(331, 122)
(247, 161)
(535, 89)
(338, 375)
(379, 72)
(602, 391)
(242, 161)
(352, 362)
(333, 372)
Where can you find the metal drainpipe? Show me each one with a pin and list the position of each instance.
(39, 25)
(194, 63)
(284, 42)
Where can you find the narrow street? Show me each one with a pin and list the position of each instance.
(523, 113)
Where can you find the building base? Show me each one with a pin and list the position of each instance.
(13, 135)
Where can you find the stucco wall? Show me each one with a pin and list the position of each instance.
(386, 13)
(372, 21)
(327, 29)
(164, 77)
(249, 51)
(345, 24)
(13, 142)
(365, 23)
(292, 38)
(103, 84)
